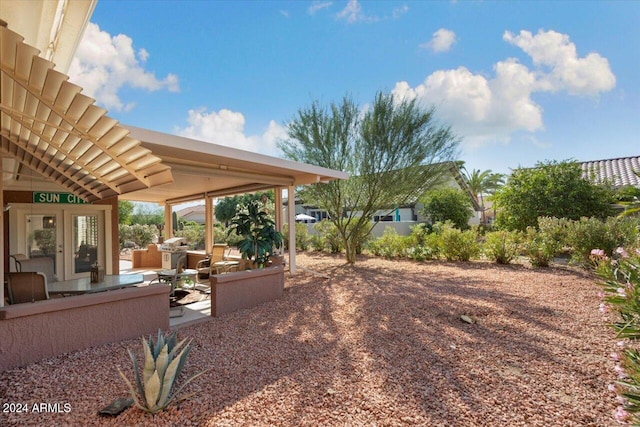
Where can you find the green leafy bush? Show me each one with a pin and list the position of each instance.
(589, 233)
(427, 252)
(457, 245)
(330, 239)
(540, 246)
(193, 233)
(315, 240)
(555, 189)
(423, 243)
(163, 362)
(502, 246)
(389, 245)
(302, 236)
(139, 234)
(420, 234)
(448, 204)
(555, 228)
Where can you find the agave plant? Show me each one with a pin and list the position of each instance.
(163, 362)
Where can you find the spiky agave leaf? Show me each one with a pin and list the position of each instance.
(176, 348)
(162, 362)
(152, 392)
(171, 341)
(136, 372)
(132, 392)
(175, 397)
(169, 378)
(183, 357)
(159, 344)
(149, 360)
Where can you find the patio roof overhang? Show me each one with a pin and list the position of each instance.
(202, 169)
(48, 126)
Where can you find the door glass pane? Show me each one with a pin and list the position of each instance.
(85, 242)
(41, 237)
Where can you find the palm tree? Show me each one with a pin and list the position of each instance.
(481, 183)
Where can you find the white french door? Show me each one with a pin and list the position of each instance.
(43, 238)
(74, 237)
(85, 238)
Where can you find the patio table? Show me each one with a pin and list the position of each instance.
(170, 276)
(84, 285)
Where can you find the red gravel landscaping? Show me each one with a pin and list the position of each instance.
(378, 343)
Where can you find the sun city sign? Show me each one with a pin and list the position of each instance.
(61, 198)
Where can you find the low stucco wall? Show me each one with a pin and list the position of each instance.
(34, 331)
(245, 289)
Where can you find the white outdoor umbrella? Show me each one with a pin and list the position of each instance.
(304, 217)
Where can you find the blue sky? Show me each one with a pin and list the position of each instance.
(519, 82)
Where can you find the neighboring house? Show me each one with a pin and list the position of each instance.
(619, 171)
(404, 216)
(192, 213)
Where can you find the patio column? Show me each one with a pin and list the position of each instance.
(168, 222)
(278, 213)
(291, 196)
(209, 238)
(2, 254)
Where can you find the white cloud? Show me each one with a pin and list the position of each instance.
(226, 127)
(353, 13)
(104, 64)
(284, 13)
(441, 41)
(318, 5)
(399, 11)
(554, 51)
(491, 108)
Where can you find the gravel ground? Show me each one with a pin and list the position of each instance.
(378, 343)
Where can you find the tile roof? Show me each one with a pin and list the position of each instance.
(620, 171)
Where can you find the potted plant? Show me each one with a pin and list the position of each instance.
(258, 241)
(258, 235)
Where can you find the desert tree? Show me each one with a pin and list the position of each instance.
(390, 149)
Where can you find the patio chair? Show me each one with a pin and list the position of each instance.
(206, 267)
(174, 275)
(27, 287)
(43, 265)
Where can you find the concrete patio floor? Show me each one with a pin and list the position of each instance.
(179, 317)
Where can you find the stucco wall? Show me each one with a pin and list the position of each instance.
(31, 332)
(245, 289)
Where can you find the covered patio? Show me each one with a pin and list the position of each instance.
(64, 166)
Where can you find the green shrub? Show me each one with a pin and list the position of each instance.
(540, 247)
(389, 245)
(591, 233)
(502, 246)
(330, 239)
(554, 228)
(302, 236)
(448, 204)
(456, 245)
(419, 234)
(139, 234)
(193, 233)
(315, 240)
